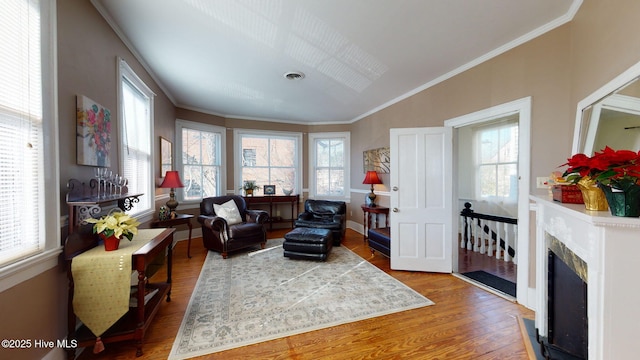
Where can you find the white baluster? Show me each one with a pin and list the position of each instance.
(515, 243)
(490, 246)
(499, 227)
(461, 230)
(483, 241)
(507, 241)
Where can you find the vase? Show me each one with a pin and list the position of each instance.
(623, 202)
(110, 242)
(592, 195)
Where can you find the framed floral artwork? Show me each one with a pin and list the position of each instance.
(93, 133)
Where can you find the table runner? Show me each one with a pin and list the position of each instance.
(102, 282)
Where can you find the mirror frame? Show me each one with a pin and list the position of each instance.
(608, 89)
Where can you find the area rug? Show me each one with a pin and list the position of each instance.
(259, 296)
(493, 281)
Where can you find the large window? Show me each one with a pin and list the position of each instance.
(497, 162)
(269, 158)
(29, 185)
(200, 160)
(329, 171)
(136, 138)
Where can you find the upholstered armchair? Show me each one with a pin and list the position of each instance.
(227, 224)
(325, 214)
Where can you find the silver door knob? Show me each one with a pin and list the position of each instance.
(395, 210)
(395, 188)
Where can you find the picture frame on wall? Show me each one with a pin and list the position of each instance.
(93, 133)
(166, 156)
(269, 189)
(377, 160)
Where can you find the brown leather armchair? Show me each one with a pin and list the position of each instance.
(220, 236)
(325, 214)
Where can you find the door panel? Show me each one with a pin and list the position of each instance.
(421, 199)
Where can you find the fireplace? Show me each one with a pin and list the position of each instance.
(586, 284)
(567, 321)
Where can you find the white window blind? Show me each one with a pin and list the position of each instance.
(136, 138)
(21, 149)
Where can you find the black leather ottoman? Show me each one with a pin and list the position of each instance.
(380, 239)
(308, 243)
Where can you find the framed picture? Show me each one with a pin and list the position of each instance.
(377, 160)
(269, 189)
(93, 133)
(166, 156)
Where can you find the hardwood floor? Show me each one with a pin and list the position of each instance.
(466, 322)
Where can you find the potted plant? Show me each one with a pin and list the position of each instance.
(113, 226)
(615, 172)
(249, 186)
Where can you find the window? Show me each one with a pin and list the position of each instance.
(29, 215)
(200, 160)
(269, 158)
(497, 163)
(329, 171)
(136, 138)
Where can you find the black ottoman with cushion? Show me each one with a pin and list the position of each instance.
(308, 243)
(380, 239)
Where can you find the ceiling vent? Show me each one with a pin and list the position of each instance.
(294, 75)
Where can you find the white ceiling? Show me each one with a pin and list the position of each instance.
(229, 57)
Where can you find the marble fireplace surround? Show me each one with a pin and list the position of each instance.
(610, 246)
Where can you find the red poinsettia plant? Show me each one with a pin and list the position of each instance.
(619, 169)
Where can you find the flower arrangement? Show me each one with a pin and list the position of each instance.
(250, 185)
(115, 223)
(619, 169)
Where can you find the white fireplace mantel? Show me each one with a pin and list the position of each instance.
(611, 248)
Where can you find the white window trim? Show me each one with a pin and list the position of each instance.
(28, 268)
(346, 136)
(478, 162)
(180, 124)
(124, 70)
(237, 155)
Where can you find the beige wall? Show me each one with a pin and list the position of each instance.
(557, 70)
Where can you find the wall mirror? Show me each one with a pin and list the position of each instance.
(166, 157)
(610, 116)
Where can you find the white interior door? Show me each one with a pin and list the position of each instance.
(421, 199)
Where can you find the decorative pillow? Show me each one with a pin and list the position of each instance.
(228, 211)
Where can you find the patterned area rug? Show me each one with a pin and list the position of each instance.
(259, 296)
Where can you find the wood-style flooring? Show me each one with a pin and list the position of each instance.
(466, 322)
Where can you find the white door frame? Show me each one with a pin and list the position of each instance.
(524, 294)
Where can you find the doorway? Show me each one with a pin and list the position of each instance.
(491, 161)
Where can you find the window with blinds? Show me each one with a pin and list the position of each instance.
(21, 124)
(136, 134)
(329, 158)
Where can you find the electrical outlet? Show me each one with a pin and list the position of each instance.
(541, 182)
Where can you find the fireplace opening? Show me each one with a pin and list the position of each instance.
(567, 334)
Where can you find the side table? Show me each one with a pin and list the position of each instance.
(368, 210)
(180, 219)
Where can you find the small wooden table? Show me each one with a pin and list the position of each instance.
(368, 210)
(180, 219)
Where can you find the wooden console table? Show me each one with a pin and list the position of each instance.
(368, 210)
(134, 323)
(270, 200)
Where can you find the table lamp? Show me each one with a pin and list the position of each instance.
(172, 180)
(372, 178)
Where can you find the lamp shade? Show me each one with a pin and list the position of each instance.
(371, 178)
(171, 180)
